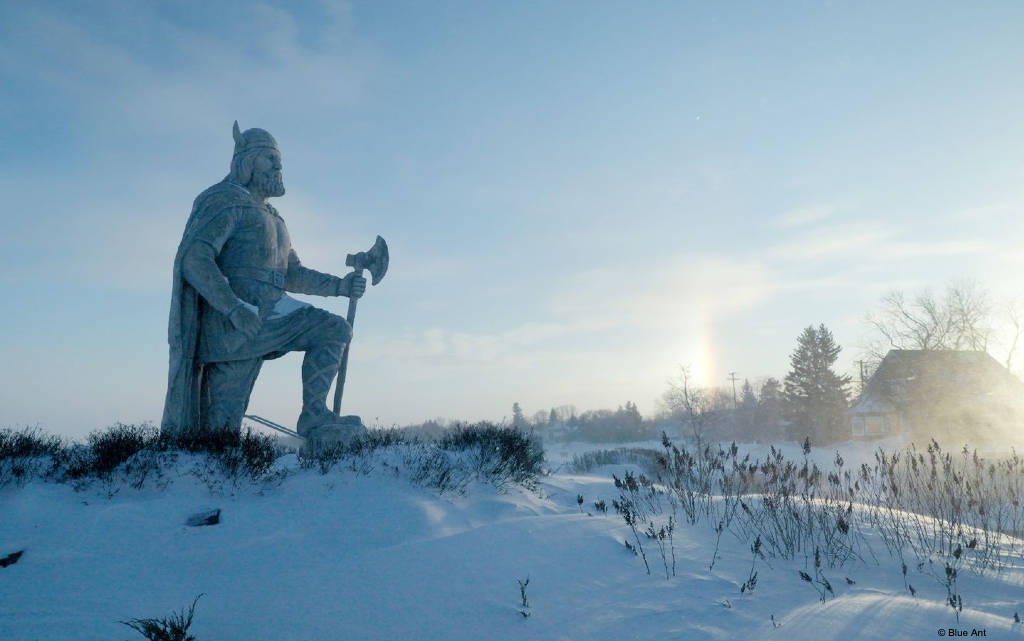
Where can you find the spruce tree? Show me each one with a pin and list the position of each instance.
(770, 410)
(746, 415)
(816, 397)
(629, 420)
(518, 420)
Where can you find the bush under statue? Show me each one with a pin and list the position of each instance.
(229, 310)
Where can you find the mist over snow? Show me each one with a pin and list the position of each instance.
(364, 551)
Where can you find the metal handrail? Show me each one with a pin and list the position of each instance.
(274, 426)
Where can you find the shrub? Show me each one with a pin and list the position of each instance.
(109, 449)
(587, 461)
(321, 456)
(239, 452)
(171, 628)
(482, 451)
(121, 454)
(223, 459)
(236, 453)
(505, 454)
(230, 458)
(27, 453)
(134, 454)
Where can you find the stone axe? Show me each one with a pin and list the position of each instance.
(376, 262)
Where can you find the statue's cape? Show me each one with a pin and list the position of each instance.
(184, 378)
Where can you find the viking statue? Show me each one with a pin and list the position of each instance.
(229, 309)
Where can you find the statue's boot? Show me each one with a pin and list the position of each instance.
(331, 428)
(316, 422)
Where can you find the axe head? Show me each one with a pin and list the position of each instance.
(375, 261)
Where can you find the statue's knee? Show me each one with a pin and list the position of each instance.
(339, 329)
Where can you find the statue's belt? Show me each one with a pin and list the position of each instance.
(268, 275)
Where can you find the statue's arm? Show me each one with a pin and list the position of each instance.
(199, 266)
(303, 280)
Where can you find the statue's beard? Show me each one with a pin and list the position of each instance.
(270, 183)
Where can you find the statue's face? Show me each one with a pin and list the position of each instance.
(267, 173)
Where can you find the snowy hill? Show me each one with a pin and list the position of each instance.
(364, 552)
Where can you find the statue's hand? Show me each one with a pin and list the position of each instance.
(245, 320)
(355, 285)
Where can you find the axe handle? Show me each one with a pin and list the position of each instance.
(339, 389)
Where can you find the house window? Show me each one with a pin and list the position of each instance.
(858, 425)
(874, 425)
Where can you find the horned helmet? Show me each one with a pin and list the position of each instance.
(252, 139)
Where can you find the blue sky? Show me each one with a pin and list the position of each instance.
(579, 197)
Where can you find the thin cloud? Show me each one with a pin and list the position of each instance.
(997, 214)
(867, 242)
(262, 61)
(656, 295)
(435, 349)
(594, 308)
(807, 215)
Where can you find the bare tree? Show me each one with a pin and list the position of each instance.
(697, 408)
(563, 413)
(959, 319)
(1014, 327)
(969, 306)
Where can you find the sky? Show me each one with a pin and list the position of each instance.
(579, 197)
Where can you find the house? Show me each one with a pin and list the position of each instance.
(951, 396)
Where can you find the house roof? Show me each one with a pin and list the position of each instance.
(909, 372)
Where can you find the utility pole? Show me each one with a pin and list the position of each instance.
(861, 364)
(733, 378)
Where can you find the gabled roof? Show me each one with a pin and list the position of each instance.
(906, 372)
(908, 363)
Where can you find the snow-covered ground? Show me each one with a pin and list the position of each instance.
(366, 554)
